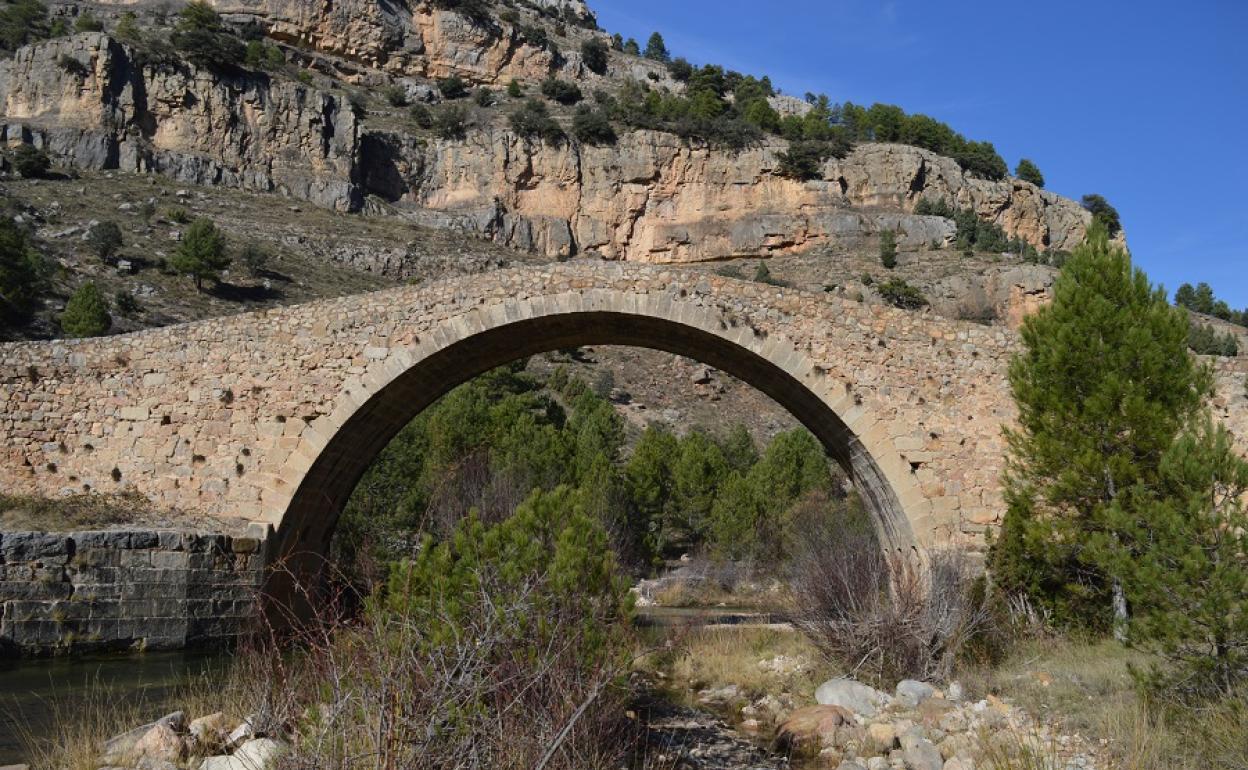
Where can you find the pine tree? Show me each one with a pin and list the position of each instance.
(888, 249)
(1187, 579)
(1103, 385)
(1028, 171)
(21, 272)
(86, 313)
(201, 254)
(656, 49)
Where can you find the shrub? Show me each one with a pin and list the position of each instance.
(30, 162)
(484, 97)
(884, 616)
(561, 91)
(762, 274)
(22, 272)
(453, 87)
(477, 11)
(72, 66)
(202, 37)
(1207, 341)
(888, 249)
(126, 303)
(86, 313)
(105, 239)
(595, 54)
(533, 119)
(177, 215)
(262, 56)
(592, 126)
(22, 22)
(255, 256)
(421, 116)
(514, 89)
(86, 22)
(803, 160)
(1029, 172)
(452, 122)
(128, 30)
(680, 69)
(898, 293)
(202, 253)
(394, 95)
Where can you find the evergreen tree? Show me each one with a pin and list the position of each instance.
(697, 474)
(739, 449)
(22, 22)
(21, 273)
(1029, 172)
(594, 53)
(656, 49)
(1102, 212)
(30, 162)
(202, 253)
(632, 48)
(204, 39)
(648, 477)
(86, 313)
(888, 249)
(105, 239)
(1187, 579)
(1103, 385)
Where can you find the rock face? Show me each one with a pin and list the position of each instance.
(185, 122)
(652, 197)
(416, 40)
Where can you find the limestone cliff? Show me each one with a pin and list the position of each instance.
(651, 197)
(189, 123)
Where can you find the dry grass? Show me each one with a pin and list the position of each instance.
(730, 655)
(1086, 689)
(80, 724)
(21, 513)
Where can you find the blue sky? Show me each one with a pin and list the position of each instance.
(1144, 102)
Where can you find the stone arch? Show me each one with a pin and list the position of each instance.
(335, 450)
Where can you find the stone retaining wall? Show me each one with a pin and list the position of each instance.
(125, 589)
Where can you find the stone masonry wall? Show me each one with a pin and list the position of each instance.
(224, 416)
(125, 589)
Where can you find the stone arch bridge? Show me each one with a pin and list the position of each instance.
(270, 418)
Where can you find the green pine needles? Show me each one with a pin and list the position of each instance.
(1121, 493)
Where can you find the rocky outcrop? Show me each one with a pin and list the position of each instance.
(651, 197)
(416, 40)
(240, 130)
(654, 197)
(1006, 293)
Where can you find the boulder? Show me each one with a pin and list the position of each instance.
(910, 692)
(919, 753)
(855, 696)
(161, 742)
(813, 726)
(256, 754)
(210, 733)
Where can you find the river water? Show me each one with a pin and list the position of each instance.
(32, 691)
